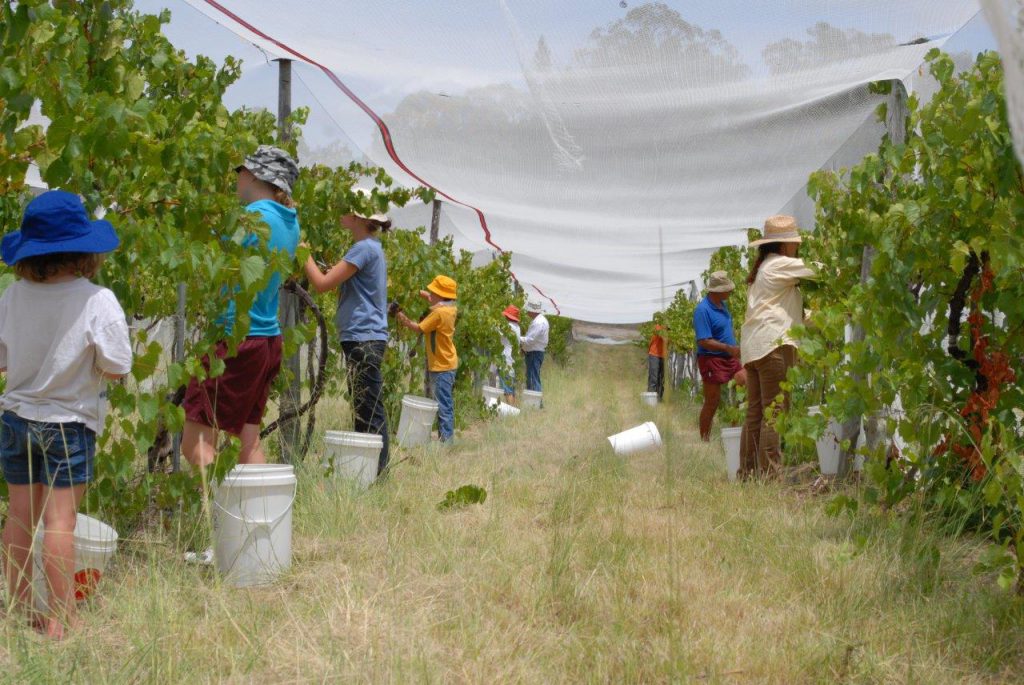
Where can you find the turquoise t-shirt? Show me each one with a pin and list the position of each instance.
(284, 235)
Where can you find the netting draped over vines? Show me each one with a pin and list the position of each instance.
(610, 146)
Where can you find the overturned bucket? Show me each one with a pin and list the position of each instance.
(642, 438)
(354, 456)
(252, 520)
(503, 408)
(95, 543)
(417, 421)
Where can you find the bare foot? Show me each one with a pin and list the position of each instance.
(57, 630)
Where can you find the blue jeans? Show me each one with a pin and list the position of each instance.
(534, 360)
(58, 455)
(366, 388)
(442, 384)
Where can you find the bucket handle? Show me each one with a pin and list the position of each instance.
(267, 524)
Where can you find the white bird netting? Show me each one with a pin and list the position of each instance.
(611, 146)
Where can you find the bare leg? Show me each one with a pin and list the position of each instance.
(59, 516)
(712, 397)
(252, 449)
(22, 516)
(199, 444)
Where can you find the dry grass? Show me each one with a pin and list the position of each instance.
(580, 567)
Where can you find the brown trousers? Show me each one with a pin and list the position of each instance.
(760, 451)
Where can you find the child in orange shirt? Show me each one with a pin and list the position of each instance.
(442, 358)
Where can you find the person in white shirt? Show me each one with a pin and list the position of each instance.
(774, 306)
(509, 340)
(61, 338)
(534, 343)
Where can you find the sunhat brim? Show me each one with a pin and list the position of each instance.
(785, 238)
(383, 219)
(441, 292)
(511, 317)
(723, 289)
(101, 238)
(263, 173)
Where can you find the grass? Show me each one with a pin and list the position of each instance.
(580, 567)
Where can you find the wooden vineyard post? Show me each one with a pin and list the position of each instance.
(178, 356)
(290, 307)
(435, 227)
(896, 128)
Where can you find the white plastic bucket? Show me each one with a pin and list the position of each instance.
(503, 408)
(532, 399)
(731, 442)
(354, 456)
(417, 420)
(252, 520)
(638, 439)
(95, 543)
(828, 446)
(492, 393)
(649, 398)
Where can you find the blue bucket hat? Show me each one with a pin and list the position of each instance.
(56, 222)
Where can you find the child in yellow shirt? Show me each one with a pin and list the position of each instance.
(442, 358)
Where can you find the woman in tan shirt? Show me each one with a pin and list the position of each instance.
(774, 306)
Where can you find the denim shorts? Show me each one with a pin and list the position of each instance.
(55, 454)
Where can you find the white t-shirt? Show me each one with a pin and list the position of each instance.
(506, 345)
(55, 340)
(536, 338)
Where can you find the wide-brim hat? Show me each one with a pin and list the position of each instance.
(719, 282)
(780, 228)
(272, 165)
(534, 307)
(443, 286)
(511, 313)
(56, 221)
(379, 218)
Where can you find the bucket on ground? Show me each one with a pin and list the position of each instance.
(828, 446)
(731, 443)
(95, 543)
(503, 408)
(649, 398)
(417, 421)
(641, 438)
(354, 456)
(492, 393)
(252, 521)
(532, 399)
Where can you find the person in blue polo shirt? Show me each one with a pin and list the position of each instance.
(717, 352)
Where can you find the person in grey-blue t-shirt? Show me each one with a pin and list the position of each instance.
(362, 320)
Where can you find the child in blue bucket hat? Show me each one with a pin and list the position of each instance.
(61, 338)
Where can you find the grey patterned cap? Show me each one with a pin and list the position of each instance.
(272, 165)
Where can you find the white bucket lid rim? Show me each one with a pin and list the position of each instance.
(258, 480)
(419, 402)
(353, 439)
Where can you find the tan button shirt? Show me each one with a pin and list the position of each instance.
(774, 305)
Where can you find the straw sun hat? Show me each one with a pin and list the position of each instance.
(719, 282)
(779, 229)
(377, 217)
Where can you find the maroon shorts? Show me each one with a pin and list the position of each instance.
(238, 396)
(718, 370)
